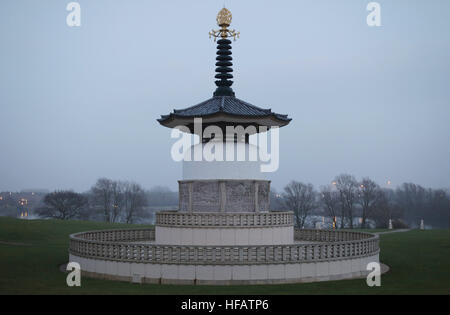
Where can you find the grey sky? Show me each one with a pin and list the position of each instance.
(81, 103)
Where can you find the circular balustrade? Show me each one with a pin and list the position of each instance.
(135, 245)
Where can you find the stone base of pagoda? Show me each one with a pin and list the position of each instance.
(226, 274)
(224, 236)
(217, 228)
(313, 255)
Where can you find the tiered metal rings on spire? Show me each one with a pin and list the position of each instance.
(223, 70)
(224, 58)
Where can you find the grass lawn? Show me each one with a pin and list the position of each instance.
(31, 251)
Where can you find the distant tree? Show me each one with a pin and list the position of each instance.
(301, 199)
(438, 213)
(369, 193)
(63, 205)
(330, 201)
(117, 200)
(134, 201)
(417, 203)
(347, 187)
(382, 211)
(87, 213)
(414, 200)
(102, 195)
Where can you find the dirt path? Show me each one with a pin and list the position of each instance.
(14, 243)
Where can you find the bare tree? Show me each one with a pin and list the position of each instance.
(330, 201)
(384, 209)
(87, 213)
(412, 198)
(300, 198)
(368, 195)
(102, 193)
(347, 187)
(117, 199)
(438, 211)
(63, 205)
(134, 201)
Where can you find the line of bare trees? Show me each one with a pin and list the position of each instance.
(346, 195)
(108, 200)
(346, 198)
(119, 201)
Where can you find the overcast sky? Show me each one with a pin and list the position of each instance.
(81, 103)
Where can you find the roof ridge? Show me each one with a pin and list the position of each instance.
(194, 106)
(257, 107)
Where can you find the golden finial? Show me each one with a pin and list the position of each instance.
(224, 20)
(224, 17)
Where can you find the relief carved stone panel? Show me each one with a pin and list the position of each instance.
(224, 195)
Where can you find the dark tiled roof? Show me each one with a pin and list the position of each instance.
(224, 104)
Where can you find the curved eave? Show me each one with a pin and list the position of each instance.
(174, 120)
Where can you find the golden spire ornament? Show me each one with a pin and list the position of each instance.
(224, 21)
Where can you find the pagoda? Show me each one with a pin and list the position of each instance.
(223, 231)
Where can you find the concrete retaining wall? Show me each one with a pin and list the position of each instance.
(225, 274)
